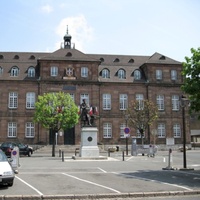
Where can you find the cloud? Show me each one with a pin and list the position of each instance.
(47, 9)
(78, 27)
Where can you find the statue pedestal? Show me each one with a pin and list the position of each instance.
(89, 148)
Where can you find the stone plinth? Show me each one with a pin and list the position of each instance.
(89, 146)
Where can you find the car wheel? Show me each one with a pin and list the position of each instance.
(29, 154)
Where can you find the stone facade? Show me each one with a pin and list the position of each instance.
(83, 76)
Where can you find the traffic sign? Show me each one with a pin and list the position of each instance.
(127, 130)
(14, 153)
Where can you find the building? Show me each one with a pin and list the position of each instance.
(106, 81)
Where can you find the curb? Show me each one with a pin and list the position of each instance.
(100, 196)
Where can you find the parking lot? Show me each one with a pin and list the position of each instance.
(42, 175)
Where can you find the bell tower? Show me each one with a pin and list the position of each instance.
(67, 40)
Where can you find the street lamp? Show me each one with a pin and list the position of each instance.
(184, 103)
(126, 119)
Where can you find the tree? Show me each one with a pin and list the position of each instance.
(56, 111)
(141, 114)
(191, 83)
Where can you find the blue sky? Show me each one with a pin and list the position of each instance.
(126, 27)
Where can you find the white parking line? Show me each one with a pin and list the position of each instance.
(101, 170)
(92, 183)
(40, 193)
(156, 181)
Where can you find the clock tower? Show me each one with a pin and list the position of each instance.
(67, 40)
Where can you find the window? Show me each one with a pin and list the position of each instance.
(121, 74)
(105, 73)
(86, 97)
(175, 102)
(122, 127)
(72, 96)
(84, 72)
(173, 75)
(159, 74)
(14, 72)
(13, 100)
(30, 100)
(30, 130)
(31, 72)
(106, 102)
(160, 102)
(161, 130)
(137, 75)
(140, 99)
(107, 130)
(12, 129)
(138, 134)
(1, 71)
(123, 101)
(54, 71)
(177, 130)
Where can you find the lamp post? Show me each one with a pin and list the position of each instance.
(184, 103)
(126, 119)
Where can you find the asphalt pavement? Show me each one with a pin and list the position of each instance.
(116, 177)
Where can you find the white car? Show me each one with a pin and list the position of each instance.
(7, 174)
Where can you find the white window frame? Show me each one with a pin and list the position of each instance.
(173, 75)
(31, 72)
(121, 74)
(30, 130)
(84, 72)
(12, 129)
(137, 74)
(122, 127)
(159, 74)
(140, 99)
(138, 134)
(161, 130)
(175, 102)
(105, 73)
(106, 101)
(160, 102)
(30, 100)
(13, 100)
(123, 101)
(54, 71)
(177, 130)
(107, 130)
(72, 95)
(14, 72)
(86, 97)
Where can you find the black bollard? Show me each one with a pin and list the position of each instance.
(123, 155)
(59, 152)
(62, 156)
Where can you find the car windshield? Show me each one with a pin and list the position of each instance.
(3, 157)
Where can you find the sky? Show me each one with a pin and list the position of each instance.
(121, 27)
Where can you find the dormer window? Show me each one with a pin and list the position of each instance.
(69, 54)
(121, 74)
(105, 73)
(16, 57)
(1, 57)
(116, 60)
(84, 72)
(14, 71)
(131, 60)
(32, 57)
(102, 59)
(162, 58)
(31, 72)
(137, 75)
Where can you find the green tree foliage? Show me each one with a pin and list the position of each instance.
(141, 114)
(191, 74)
(56, 111)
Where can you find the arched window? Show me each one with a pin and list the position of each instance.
(137, 75)
(31, 72)
(105, 73)
(14, 71)
(1, 71)
(121, 74)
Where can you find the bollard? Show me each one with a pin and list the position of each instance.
(123, 155)
(62, 156)
(169, 167)
(108, 152)
(59, 152)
